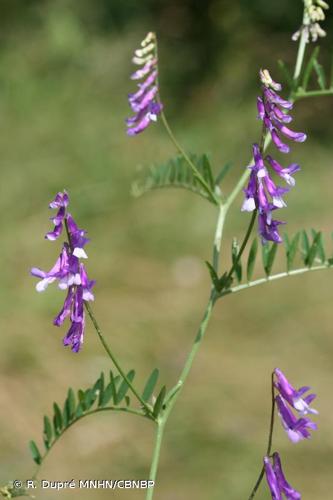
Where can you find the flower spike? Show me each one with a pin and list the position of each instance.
(144, 102)
(69, 272)
(262, 193)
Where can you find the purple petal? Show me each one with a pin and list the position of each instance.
(273, 97)
(65, 311)
(261, 108)
(289, 492)
(140, 73)
(284, 148)
(61, 200)
(272, 480)
(53, 235)
(142, 125)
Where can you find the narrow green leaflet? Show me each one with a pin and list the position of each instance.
(214, 277)
(124, 386)
(320, 246)
(89, 401)
(222, 173)
(271, 258)
(252, 259)
(305, 245)
(291, 249)
(150, 385)
(178, 174)
(235, 261)
(321, 78)
(309, 260)
(57, 419)
(286, 73)
(309, 68)
(159, 402)
(114, 387)
(48, 434)
(35, 452)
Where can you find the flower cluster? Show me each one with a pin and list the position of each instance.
(262, 193)
(297, 428)
(69, 272)
(313, 14)
(288, 398)
(144, 102)
(276, 480)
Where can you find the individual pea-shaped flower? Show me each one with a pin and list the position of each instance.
(294, 396)
(59, 203)
(144, 102)
(277, 483)
(296, 428)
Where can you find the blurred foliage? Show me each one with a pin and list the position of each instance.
(64, 69)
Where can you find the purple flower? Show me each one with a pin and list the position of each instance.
(273, 117)
(276, 480)
(262, 193)
(293, 396)
(144, 102)
(69, 272)
(296, 428)
(60, 203)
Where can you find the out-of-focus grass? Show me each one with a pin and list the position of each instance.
(62, 106)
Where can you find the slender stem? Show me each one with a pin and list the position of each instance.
(218, 238)
(172, 396)
(104, 343)
(155, 457)
(274, 277)
(300, 54)
(269, 444)
(214, 198)
(300, 94)
(242, 248)
(113, 359)
(133, 411)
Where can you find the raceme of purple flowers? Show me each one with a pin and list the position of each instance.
(289, 399)
(69, 272)
(276, 480)
(297, 428)
(262, 193)
(144, 102)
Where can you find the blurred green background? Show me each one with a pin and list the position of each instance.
(64, 77)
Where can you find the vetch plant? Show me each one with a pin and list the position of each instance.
(117, 391)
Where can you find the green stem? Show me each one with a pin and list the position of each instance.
(300, 94)
(242, 248)
(104, 343)
(114, 360)
(218, 238)
(173, 395)
(278, 276)
(133, 411)
(269, 444)
(300, 53)
(155, 457)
